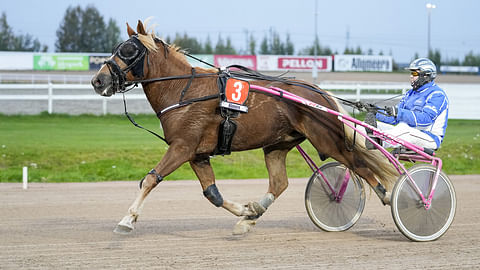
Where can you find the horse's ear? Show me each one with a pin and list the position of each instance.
(141, 28)
(130, 31)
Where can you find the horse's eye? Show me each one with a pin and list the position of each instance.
(128, 50)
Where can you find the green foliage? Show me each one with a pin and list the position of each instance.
(208, 49)
(472, 59)
(224, 47)
(273, 45)
(435, 56)
(63, 148)
(84, 30)
(252, 45)
(321, 50)
(188, 43)
(11, 42)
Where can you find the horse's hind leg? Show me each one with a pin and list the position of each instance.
(278, 182)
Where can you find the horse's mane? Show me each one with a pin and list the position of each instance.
(151, 41)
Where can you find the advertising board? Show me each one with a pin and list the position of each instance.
(96, 61)
(296, 63)
(363, 63)
(249, 61)
(16, 61)
(60, 62)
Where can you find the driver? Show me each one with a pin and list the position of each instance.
(421, 116)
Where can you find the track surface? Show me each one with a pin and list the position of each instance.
(69, 226)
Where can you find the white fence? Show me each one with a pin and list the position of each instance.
(464, 98)
(66, 78)
(50, 94)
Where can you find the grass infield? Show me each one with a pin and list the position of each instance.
(63, 148)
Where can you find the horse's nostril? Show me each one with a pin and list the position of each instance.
(96, 82)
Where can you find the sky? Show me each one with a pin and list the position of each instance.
(393, 27)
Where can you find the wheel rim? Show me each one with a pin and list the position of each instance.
(324, 210)
(409, 213)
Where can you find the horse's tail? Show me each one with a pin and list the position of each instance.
(383, 169)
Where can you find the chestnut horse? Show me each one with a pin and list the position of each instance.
(186, 102)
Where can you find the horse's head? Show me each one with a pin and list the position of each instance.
(127, 63)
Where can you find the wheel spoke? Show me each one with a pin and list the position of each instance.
(327, 213)
(409, 213)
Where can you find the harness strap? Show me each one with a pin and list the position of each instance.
(185, 103)
(188, 85)
(179, 77)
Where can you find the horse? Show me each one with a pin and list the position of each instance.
(186, 100)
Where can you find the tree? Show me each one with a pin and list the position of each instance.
(320, 49)
(112, 35)
(84, 30)
(471, 59)
(11, 42)
(435, 56)
(69, 33)
(289, 47)
(224, 48)
(264, 46)
(208, 49)
(190, 44)
(220, 47)
(252, 44)
(276, 45)
(93, 31)
(229, 49)
(6, 33)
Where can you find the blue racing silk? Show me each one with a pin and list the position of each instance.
(425, 109)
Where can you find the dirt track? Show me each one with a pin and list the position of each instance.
(69, 226)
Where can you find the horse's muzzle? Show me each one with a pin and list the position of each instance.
(102, 84)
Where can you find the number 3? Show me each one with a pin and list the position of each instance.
(238, 89)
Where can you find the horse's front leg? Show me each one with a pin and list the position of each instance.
(175, 156)
(202, 168)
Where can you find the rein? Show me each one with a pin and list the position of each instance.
(120, 83)
(181, 103)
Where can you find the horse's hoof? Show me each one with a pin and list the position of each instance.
(122, 229)
(256, 208)
(386, 199)
(243, 226)
(125, 226)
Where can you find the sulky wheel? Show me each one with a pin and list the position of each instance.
(409, 212)
(323, 206)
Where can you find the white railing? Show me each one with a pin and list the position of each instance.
(50, 96)
(463, 98)
(374, 91)
(34, 78)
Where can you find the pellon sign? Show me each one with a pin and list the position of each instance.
(304, 63)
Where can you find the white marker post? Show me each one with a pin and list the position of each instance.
(25, 177)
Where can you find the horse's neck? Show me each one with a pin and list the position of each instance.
(166, 93)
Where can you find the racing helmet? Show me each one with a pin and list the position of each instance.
(427, 71)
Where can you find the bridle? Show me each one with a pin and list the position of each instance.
(134, 63)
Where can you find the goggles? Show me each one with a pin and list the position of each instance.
(415, 73)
